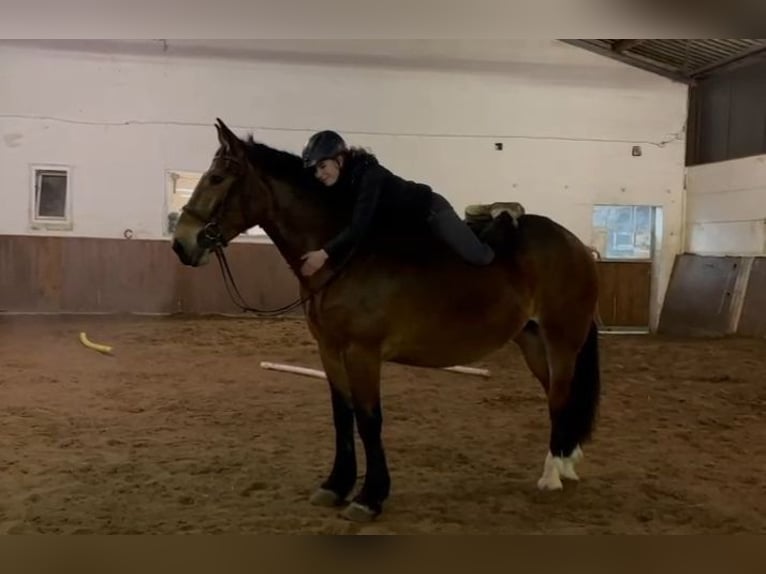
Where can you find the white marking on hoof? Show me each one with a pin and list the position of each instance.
(324, 497)
(550, 482)
(358, 513)
(551, 478)
(567, 469)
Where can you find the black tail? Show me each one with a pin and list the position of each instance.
(574, 424)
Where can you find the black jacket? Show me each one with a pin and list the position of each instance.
(380, 199)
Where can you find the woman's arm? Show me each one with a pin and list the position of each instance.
(371, 184)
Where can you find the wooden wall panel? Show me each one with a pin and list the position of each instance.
(625, 293)
(57, 274)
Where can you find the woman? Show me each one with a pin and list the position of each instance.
(380, 197)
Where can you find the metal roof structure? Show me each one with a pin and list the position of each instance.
(683, 60)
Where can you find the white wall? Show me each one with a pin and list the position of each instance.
(726, 207)
(567, 119)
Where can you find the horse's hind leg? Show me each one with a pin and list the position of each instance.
(573, 397)
(533, 347)
(339, 484)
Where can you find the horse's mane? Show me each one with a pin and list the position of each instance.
(282, 165)
(288, 168)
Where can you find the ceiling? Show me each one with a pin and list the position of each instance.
(434, 50)
(683, 60)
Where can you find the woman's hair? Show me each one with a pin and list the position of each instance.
(359, 152)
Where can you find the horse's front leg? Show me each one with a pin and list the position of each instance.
(363, 371)
(336, 488)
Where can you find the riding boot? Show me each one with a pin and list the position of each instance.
(447, 226)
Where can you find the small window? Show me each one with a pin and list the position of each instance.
(51, 198)
(623, 231)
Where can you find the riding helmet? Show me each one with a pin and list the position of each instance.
(322, 145)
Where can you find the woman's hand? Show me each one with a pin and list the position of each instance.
(313, 262)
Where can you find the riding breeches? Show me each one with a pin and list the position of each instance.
(448, 227)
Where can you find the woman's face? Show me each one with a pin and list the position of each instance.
(328, 170)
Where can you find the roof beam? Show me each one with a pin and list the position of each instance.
(730, 62)
(671, 74)
(621, 46)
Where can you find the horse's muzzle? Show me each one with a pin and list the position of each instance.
(179, 250)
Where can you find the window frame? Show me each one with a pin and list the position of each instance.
(611, 235)
(37, 222)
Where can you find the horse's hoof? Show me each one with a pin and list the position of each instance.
(356, 512)
(326, 498)
(550, 483)
(568, 471)
(566, 466)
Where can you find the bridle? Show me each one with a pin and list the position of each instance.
(211, 237)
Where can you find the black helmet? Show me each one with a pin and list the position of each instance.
(322, 145)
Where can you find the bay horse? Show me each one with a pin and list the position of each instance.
(405, 298)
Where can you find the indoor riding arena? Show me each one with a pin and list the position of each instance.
(138, 397)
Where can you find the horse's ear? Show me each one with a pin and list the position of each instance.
(226, 137)
(221, 138)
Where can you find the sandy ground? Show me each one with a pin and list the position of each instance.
(181, 431)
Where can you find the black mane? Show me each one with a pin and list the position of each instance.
(282, 165)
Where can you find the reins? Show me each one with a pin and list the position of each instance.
(239, 300)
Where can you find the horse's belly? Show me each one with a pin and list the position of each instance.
(429, 320)
(445, 342)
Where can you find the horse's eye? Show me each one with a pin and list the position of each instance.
(216, 179)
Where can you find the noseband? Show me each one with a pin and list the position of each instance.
(210, 236)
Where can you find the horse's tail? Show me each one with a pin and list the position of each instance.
(582, 407)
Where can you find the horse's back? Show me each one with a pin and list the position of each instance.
(412, 288)
(530, 250)
(542, 236)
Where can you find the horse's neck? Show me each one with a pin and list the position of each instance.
(295, 224)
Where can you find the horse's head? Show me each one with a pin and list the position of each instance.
(221, 206)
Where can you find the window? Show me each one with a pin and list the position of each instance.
(180, 186)
(51, 201)
(623, 231)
